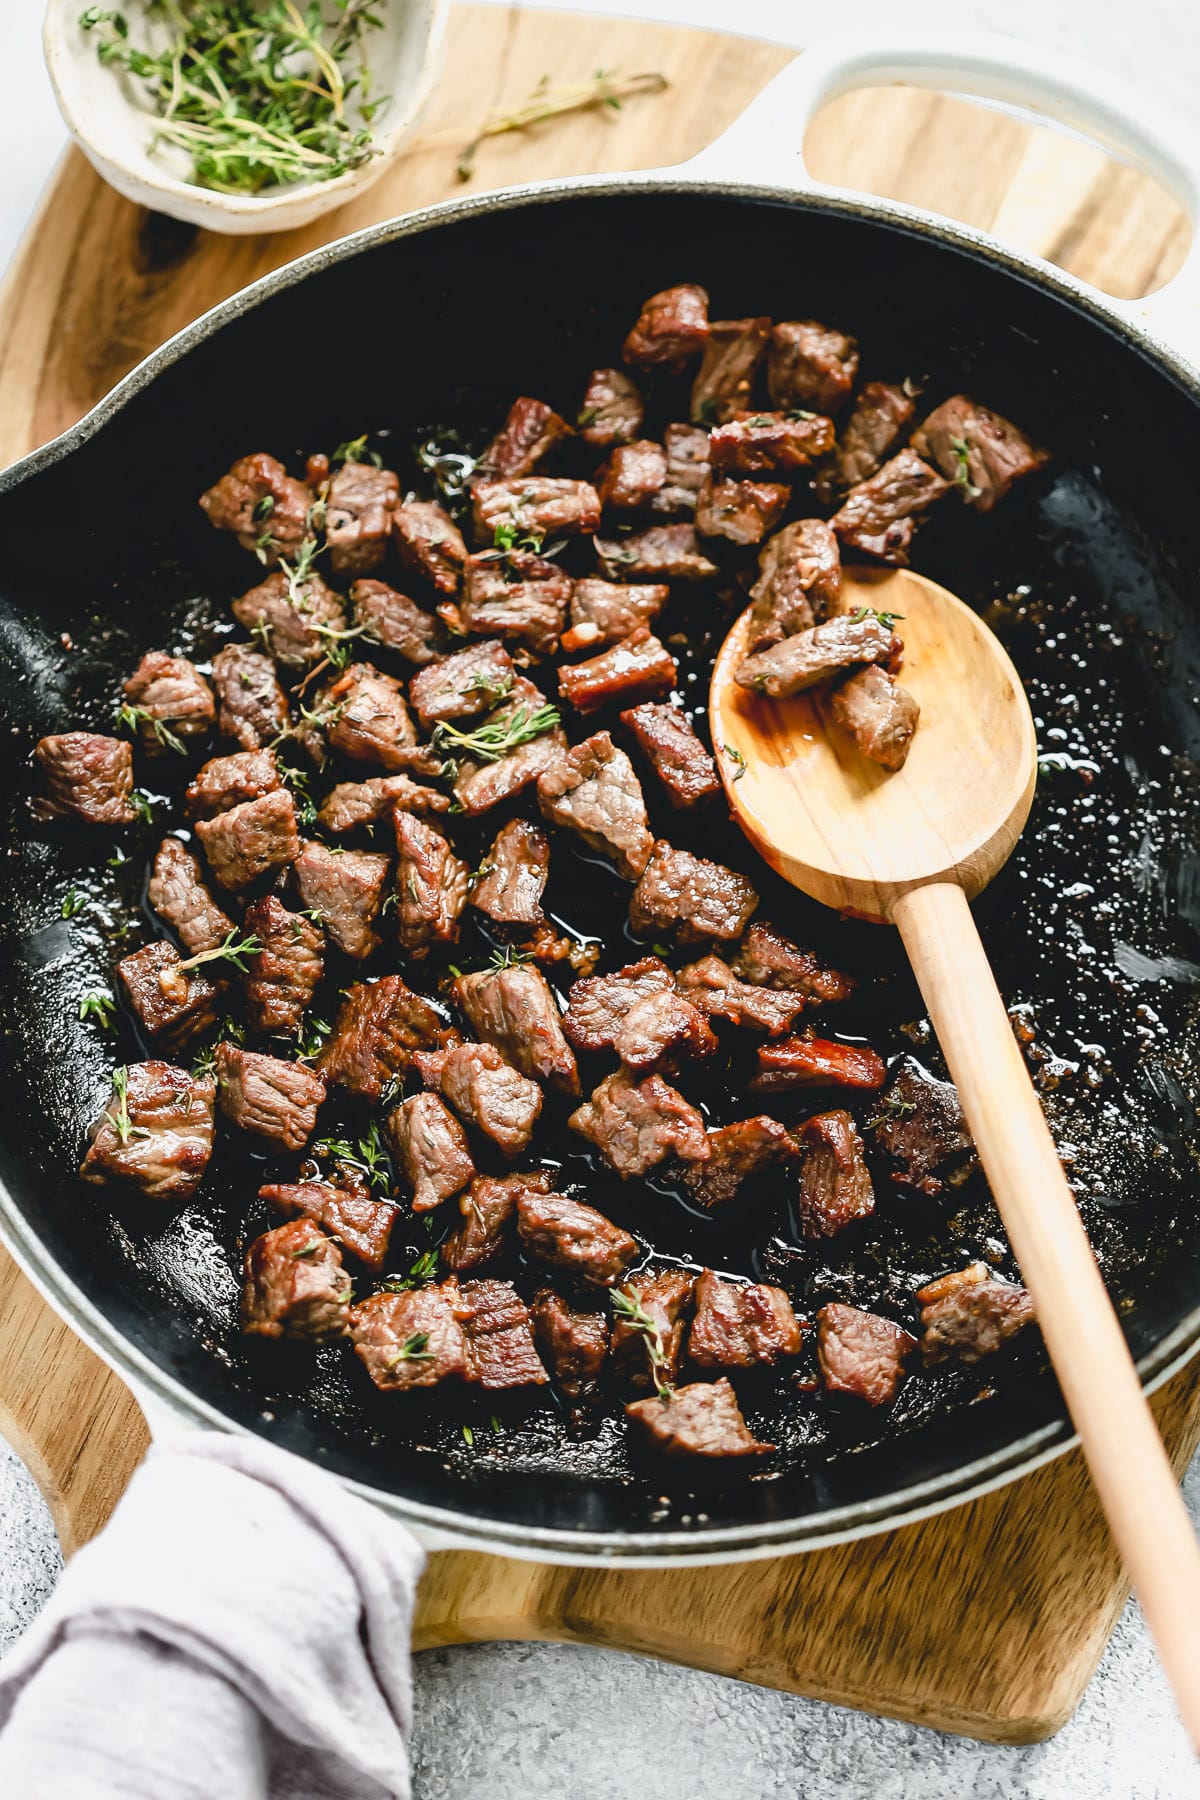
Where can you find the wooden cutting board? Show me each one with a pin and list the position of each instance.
(988, 1620)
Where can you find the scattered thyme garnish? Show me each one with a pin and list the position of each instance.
(893, 1106)
(962, 468)
(337, 644)
(494, 687)
(101, 1007)
(354, 450)
(630, 1311)
(415, 1349)
(497, 738)
(606, 89)
(886, 619)
(422, 1272)
(119, 1120)
(230, 950)
(737, 759)
(509, 958)
(367, 1155)
(73, 902)
(508, 536)
(142, 805)
(298, 780)
(310, 1039)
(307, 1250)
(468, 1437)
(133, 718)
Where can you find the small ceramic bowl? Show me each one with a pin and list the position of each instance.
(107, 114)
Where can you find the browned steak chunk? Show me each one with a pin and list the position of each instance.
(431, 886)
(295, 1285)
(264, 505)
(810, 657)
(515, 1009)
(378, 1028)
(252, 709)
(293, 616)
(592, 790)
(353, 803)
(672, 327)
(368, 720)
(515, 871)
(358, 517)
(179, 897)
(251, 840)
(267, 1097)
(767, 958)
(663, 1299)
(737, 1153)
(533, 506)
(484, 780)
(835, 1183)
(638, 668)
(862, 1354)
(963, 1320)
(739, 1327)
(688, 468)
(156, 1133)
(811, 366)
(172, 1003)
(741, 510)
(574, 1345)
(632, 475)
(922, 1129)
(518, 596)
(486, 1092)
(345, 891)
(604, 612)
(637, 1012)
(690, 896)
(345, 1207)
(171, 702)
(501, 1352)
(732, 352)
(877, 515)
(880, 416)
(799, 583)
(637, 1123)
(85, 777)
(430, 1148)
(879, 714)
(804, 1062)
(486, 1208)
(391, 619)
(410, 1340)
(462, 686)
(612, 409)
(701, 1420)
(529, 433)
(977, 449)
(660, 553)
(667, 739)
(760, 443)
(227, 781)
(712, 985)
(429, 544)
(282, 975)
(577, 1239)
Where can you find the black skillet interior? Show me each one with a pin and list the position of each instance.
(1092, 928)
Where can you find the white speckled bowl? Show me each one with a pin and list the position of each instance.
(109, 119)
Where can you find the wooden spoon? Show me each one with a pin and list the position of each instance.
(911, 849)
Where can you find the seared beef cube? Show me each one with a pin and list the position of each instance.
(515, 872)
(732, 352)
(529, 433)
(638, 668)
(264, 505)
(712, 985)
(345, 890)
(353, 803)
(862, 1354)
(977, 449)
(876, 517)
(799, 583)
(577, 1239)
(370, 721)
(429, 543)
(486, 1091)
(499, 1332)
(227, 781)
(251, 840)
(632, 476)
(612, 409)
(515, 1009)
(879, 714)
(267, 1097)
(880, 417)
(171, 699)
(739, 1327)
(156, 1133)
(672, 327)
(483, 783)
(835, 1183)
(769, 959)
(661, 553)
(688, 466)
(811, 366)
(390, 618)
(810, 657)
(736, 1153)
(922, 1129)
(664, 1298)
(181, 900)
(636, 1012)
(410, 1340)
(970, 1319)
(636, 1123)
(379, 1026)
(756, 443)
(358, 517)
(534, 505)
(487, 1207)
(667, 739)
(431, 1149)
(574, 1344)
(660, 1027)
(696, 899)
(592, 790)
(463, 685)
(282, 975)
(431, 886)
(603, 612)
(743, 511)
(251, 703)
(703, 1419)
(294, 617)
(345, 1207)
(172, 1003)
(804, 1062)
(85, 777)
(295, 1285)
(517, 596)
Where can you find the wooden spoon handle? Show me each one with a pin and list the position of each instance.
(1100, 1385)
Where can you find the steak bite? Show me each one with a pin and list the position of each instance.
(514, 875)
(758, 443)
(85, 777)
(862, 1354)
(835, 1183)
(344, 1206)
(736, 1153)
(368, 720)
(379, 1027)
(638, 1013)
(664, 1299)
(269, 1098)
(358, 517)
(611, 411)
(431, 886)
(518, 596)
(293, 615)
(179, 897)
(592, 790)
(922, 1129)
(251, 707)
(515, 1009)
(804, 1062)
(533, 506)
(228, 781)
(799, 583)
(282, 974)
(701, 1420)
(251, 840)
(262, 504)
(353, 803)
(879, 714)
(632, 475)
(391, 619)
(482, 780)
(672, 327)
(295, 1285)
(688, 467)
(977, 449)
(170, 699)
(636, 1124)
(725, 380)
(667, 739)
(501, 1352)
(711, 985)
(575, 1346)
(486, 1208)
(811, 366)
(877, 516)
(738, 1327)
(638, 668)
(696, 899)
(409, 1340)
(463, 685)
(431, 1149)
(807, 658)
(739, 509)
(156, 1133)
(660, 553)
(171, 1002)
(604, 612)
(344, 889)
(766, 958)
(968, 1315)
(529, 433)
(429, 544)
(577, 1239)
(485, 1091)
(879, 419)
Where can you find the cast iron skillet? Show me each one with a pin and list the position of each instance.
(1089, 575)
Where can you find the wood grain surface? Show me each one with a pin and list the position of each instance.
(989, 1619)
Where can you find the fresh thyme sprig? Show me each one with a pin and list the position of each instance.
(886, 619)
(310, 1039)
(133, 718)
(423, 1271)
(119, 1119)
(630, 1311)
(355, 450)
(230, 950)
(73, 902)
(496, 738)
(494, 687)
(737, 759)
(509, 958)
(962, 468)
(415, 1349)
(893, 1106)
(367, 1155)
(606, 89)
(100, 1006)
(298, 780)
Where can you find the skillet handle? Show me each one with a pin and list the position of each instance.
(766, 144)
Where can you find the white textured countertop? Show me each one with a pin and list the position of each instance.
(532, 1720)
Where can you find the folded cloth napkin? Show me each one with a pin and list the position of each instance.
(239, 1630)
